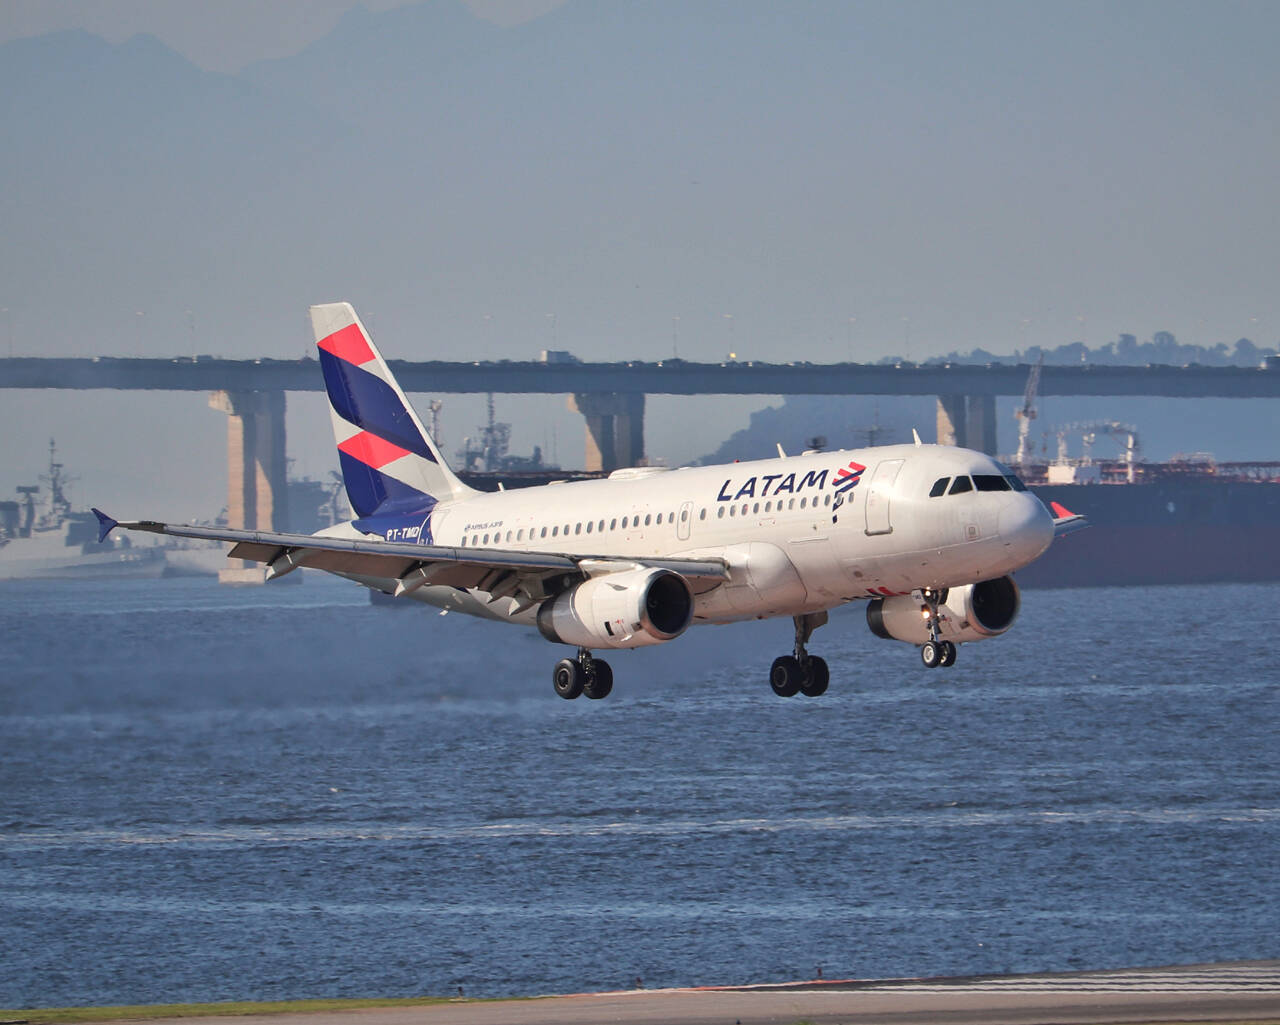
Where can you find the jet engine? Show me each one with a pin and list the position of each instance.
(629, 609)
(973, 612)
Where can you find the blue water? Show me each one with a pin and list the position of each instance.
(211, 794)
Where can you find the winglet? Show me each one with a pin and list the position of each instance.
(1065, 521)
(916, 435)
(105, 524)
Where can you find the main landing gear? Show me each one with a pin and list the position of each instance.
(801, 673)
(583, 675)
(935, 651)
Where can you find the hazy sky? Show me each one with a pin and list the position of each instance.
(221, 35)
(799, 180)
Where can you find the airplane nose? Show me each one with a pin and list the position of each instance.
(1025, 526)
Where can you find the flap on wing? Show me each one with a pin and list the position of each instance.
(451, 567)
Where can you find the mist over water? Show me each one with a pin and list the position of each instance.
(213, 794)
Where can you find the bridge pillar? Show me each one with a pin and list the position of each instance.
(256, 496)
(980, 423)
(952, 423)
(615, 429)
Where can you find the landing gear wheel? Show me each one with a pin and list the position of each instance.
(948, 654)
(600, 683)
(817, 679)
(568, 678)
(931, 654)
(785, 676)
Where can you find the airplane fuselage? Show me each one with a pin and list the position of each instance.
(799, 534)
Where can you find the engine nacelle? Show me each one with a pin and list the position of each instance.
(619, 610)
(973, 612)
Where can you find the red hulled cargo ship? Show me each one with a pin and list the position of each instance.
(1188, 521)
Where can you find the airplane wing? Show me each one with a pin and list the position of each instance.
(498, 571)
(1065, 521)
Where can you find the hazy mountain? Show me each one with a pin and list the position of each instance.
(764, 172)
(818, 181)
(1162, 349)
(138, 182)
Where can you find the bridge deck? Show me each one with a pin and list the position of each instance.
(667, 378)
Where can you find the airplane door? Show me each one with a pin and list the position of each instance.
(685, 521)
(878, 496)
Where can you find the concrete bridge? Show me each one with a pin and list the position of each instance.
(669, 377)
(610, 396)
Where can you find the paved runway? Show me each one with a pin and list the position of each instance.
(1247, 991)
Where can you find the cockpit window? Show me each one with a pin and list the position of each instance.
(990, 482)
(939, 487)
(1010, 476)
(961, 485)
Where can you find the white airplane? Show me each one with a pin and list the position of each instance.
(929, 535)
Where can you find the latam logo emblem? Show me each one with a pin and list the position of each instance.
(847, 477)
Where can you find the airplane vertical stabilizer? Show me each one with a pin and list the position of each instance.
(389, 461)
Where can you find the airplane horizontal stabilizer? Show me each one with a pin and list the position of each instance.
(105, 524)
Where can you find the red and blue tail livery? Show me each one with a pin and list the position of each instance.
(389, 463)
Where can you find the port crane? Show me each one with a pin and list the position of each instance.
(1026, 414)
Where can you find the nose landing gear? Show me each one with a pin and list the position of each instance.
(935, 651)
(801, 673)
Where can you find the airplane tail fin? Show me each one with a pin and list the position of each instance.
(389, 461)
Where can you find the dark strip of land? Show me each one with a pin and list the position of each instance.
(1247, 992)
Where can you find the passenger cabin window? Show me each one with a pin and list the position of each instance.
(939, 487)
(961, 485)
(647, 518)
(990, 482)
